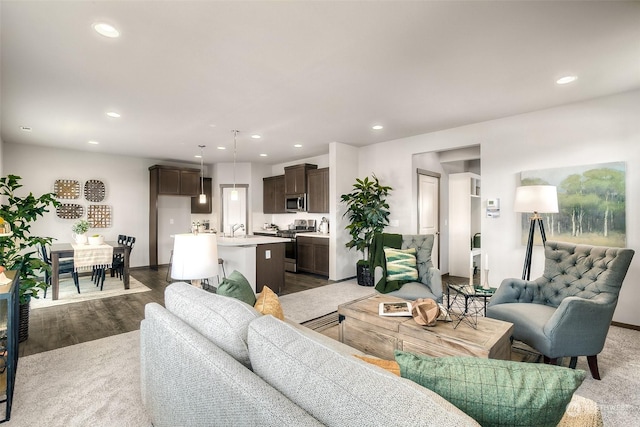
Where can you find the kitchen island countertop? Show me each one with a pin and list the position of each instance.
(249, 240)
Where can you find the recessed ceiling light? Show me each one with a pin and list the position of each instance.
(377, 127)
(566, 79)
(298, 145)
(106, 30)
(263, 155)
(93, 142)
(25, 128)
(222, 148)
(113, 114)
(256, 136)
(197, 156)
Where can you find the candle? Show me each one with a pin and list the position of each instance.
(486, 262)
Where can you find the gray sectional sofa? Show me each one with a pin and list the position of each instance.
(211, 360)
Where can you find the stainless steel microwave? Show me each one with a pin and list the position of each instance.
(296, 202)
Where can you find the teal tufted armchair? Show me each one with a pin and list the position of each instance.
(567, 311)
(430, 279)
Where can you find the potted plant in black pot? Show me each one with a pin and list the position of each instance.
(368, 213)
(22, 246)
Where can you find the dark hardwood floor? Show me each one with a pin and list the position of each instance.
(69, 324)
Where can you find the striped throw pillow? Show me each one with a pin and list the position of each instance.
(401, 264)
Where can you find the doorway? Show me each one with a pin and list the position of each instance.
(429, 209)
(234, 209)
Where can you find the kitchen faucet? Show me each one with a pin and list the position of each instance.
(235, 227)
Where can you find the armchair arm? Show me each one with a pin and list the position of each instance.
(377, 274)
(514, 290)
(434, 282)
(580, 324)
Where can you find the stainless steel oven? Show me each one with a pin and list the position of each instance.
(290, 249)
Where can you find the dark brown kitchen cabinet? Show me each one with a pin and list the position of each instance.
(171, 181)
(176, 181)
(295, 178)
(200, 208)
(313, 255)
(273, 194)
(318, 190)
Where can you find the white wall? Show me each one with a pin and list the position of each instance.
(597, 131)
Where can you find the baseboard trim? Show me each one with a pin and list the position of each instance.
(626, 326)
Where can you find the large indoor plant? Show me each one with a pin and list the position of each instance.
(22, 246)
(368, 213)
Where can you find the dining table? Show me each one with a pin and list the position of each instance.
(65, 250)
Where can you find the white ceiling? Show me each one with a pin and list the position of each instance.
(186, 73)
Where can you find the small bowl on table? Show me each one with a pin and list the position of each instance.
(97, 239)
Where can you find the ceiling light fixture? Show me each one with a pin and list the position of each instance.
(297, 145)
(234, 192)
(113, 114)
(203, 197)
(377, 127)
(256, 136)
(566, 80)
(221, 147)
(106, 30)
(263, 154)
(93, 142)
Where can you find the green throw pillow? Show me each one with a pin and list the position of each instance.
(401, 264)
(237, 286)
(496, 392)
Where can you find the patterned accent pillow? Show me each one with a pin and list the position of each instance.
(401, 264)
(268, 303)
(496, 392)
(237, 286)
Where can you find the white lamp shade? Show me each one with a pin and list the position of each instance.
(195, 256)
(536, 198)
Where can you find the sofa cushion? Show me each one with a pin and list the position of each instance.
(221, 319)
(268, 303)
(237, 286)
(496, 392)
(401, 264)
(338, 389)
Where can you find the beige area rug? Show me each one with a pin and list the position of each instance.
(96, 383)
(306, 305)
(113, 286)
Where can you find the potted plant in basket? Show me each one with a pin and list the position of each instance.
(79, 229)
(368, 214)
(22, 246)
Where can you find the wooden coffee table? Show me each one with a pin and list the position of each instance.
(363, 328)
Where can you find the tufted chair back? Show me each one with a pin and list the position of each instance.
(423, 244)
(589, 272)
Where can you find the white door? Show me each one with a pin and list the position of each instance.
(428, 210)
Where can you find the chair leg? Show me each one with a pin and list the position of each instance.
(550, 361)
(573, 362)
(593, 366)
(101, 276)
(76, 280)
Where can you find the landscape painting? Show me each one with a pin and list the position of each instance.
(591, 204)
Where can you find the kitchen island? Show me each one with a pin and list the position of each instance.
(259, 258)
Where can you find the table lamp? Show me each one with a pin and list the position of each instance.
(535, 199)
(195, 257)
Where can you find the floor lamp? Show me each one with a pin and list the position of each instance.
(537, 199)
(195, 257)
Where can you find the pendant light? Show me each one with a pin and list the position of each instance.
(234, 192)
(203, 197)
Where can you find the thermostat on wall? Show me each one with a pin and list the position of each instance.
(493, 208)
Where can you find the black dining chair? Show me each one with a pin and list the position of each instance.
(65, 266)
(118, 262)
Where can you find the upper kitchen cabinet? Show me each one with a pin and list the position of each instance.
(203, 208)
(273, 194)
(176, 181)
(318, 190)
(295, 178)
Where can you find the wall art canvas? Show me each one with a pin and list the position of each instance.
(591, 204)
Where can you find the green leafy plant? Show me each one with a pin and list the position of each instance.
(80, 227)
(367, 210)
(20, 213)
